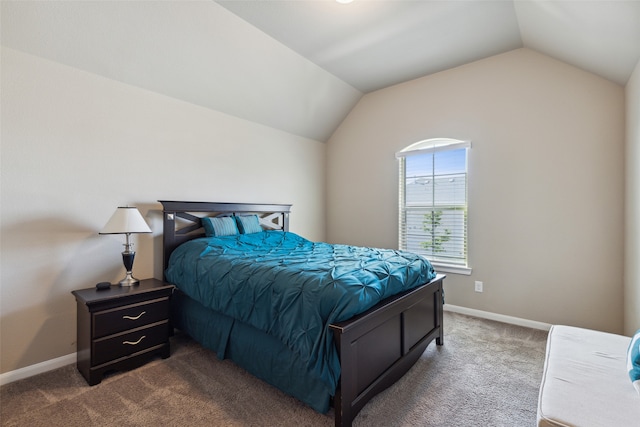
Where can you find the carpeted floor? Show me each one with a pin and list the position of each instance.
(486, 374)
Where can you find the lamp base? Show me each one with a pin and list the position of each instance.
(129, 280)
(127, 258)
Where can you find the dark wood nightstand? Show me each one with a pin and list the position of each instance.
(121, 328)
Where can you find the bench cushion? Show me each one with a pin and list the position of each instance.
(585, 380)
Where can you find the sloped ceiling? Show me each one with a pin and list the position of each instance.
(374, 44)
(300, 66)
(195, 51)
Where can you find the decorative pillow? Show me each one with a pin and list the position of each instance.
(633, 360)
(221, 226)
(249, 224)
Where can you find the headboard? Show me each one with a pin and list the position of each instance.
(181, 220)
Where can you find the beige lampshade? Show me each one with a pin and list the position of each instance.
(126, 220)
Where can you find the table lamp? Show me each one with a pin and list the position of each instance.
(127, 220)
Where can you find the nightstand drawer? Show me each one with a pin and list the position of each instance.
(124, 344)
(129, 317)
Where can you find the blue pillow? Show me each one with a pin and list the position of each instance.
(221, 226)
(633, 360)
(249, 224)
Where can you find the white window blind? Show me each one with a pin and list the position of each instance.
(433, 200)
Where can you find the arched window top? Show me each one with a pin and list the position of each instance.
(432, 145)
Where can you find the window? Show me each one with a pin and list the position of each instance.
(433, 202)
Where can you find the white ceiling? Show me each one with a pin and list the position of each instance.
(371, 44)
(300, 66)
(191, 50)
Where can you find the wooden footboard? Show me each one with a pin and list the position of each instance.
(379, 346)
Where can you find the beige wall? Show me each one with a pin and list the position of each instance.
(75, 146)
(546, 184)
(546, 168)
(632, 223)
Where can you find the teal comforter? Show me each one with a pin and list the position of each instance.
(292, 288)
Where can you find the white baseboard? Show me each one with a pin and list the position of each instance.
(59, 362)
(498, 317)
(38, 368)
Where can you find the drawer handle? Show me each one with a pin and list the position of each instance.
(134, 343)
(134, 318)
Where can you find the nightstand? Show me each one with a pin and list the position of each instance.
(121, 328)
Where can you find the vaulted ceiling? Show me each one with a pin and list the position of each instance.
(371, 44)
(301, 65)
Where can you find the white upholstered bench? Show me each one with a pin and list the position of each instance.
(586, 382)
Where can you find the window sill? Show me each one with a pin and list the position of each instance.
(454, 269)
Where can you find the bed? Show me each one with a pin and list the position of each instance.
(349, 345)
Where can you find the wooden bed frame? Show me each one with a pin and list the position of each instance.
(376, 348)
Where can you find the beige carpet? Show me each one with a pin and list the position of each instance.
(486, 374)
